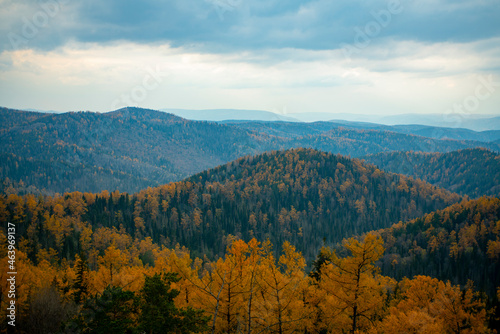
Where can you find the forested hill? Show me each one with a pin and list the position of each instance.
(459, 243)
(128, 149)
(302, 196)
(11, 118)
(472, 172)
(131, 149)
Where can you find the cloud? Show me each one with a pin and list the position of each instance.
(228, 25)
(413, 76)
(317, 55)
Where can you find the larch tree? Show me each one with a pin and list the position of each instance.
(283, 286)
(354, 292)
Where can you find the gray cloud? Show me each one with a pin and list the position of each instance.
(229, 25)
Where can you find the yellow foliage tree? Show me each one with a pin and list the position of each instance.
(354, 292)
(429, 305)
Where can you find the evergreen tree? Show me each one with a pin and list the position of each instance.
(159, 313)
(81, 285)
(113, 311)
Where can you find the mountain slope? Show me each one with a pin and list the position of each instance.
(131, 149)
(10, 118)
(45, 177)
(459, 243)
(473, 172)
(303, 196)
(148, 145)
(293, 129)
(361, 142)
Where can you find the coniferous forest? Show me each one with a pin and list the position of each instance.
(131, 149)
(472, 172)
(287, 236)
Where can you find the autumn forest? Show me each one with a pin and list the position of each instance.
(138, 221)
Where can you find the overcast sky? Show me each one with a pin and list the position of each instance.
(287, 56)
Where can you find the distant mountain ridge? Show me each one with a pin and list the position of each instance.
(218, 115)
(454, 121)
(152, 146)
(474, 122)
(428, 131)
(131, 149)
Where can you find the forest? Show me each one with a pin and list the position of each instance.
(302, 196)
(261, 229)
(166, 258)
(471, 172)
(248, 290)
(459, 243)
(131, 149)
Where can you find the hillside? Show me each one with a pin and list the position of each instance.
(293, 129)
(428, 131)
(472, 172)
(21, 175)
(133, 283)
(147, 147)
(302, 196)
(80, 248)
(458, 243)
(132, 149)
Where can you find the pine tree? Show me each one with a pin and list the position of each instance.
(159, 313)
(113, 311)
(81, 285)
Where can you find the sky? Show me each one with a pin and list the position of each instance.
(288, 56)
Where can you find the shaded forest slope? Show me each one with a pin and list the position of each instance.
(458, 243)
(472, 172)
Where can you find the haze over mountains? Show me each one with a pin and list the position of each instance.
(218, 115)
(475, 122)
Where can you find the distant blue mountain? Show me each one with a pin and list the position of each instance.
(218, 115)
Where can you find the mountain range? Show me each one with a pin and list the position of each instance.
(131, 149)
(302, 196)
(475, 122)
(205, 202)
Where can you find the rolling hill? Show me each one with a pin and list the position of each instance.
(150, 146)
(472, 172)
(131, 149)
(458, 244)
(303, 196)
